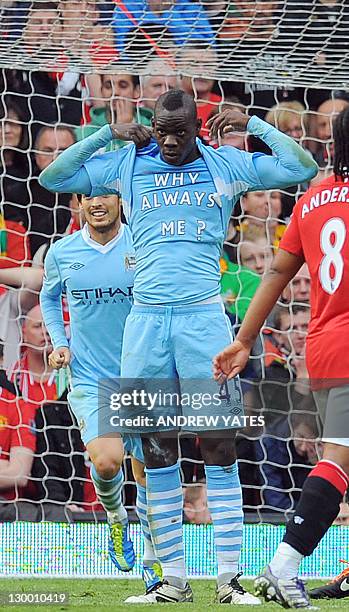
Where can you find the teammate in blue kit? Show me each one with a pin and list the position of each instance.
(94, 268)
(178, 196)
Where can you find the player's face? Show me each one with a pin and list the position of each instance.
(176, 136)
(153, 87)
(102, 213)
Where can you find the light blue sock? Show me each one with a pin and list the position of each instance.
(141, 506)
(109, 494)
(165, 512)
(224, 499)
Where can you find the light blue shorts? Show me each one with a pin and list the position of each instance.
(93, 417)
(178, 343)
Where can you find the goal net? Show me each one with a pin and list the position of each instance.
(67, 68)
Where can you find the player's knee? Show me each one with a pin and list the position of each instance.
(218, 452)
(106, 467)
(338, 454)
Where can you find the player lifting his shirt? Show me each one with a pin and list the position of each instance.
(178, 196)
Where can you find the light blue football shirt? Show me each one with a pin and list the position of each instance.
(178, 229)
(98, 283)
(178, 214)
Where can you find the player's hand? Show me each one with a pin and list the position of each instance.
(139, 134)
(59, 358)
(231, 361)
(227, 121)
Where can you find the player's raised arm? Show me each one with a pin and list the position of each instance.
(289, 165)
(232, 360)
(72, 170)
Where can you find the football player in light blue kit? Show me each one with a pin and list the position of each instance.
(94, 269)
(178, 196)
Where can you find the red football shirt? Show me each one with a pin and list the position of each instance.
(319, 231)
(16, 429)
(32, 390)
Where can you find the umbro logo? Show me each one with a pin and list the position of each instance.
(76, 266)
(298, 520)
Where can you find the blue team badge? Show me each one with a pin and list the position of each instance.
(130, 261)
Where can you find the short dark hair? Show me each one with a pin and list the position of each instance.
(135, 78)
(279, 311)
(40, 5)
(175, 99)
(341, 144)
(54, 128)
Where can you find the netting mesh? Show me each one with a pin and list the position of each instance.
(66, 69)
(275, 41)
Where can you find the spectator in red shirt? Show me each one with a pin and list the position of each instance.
(17, 447)
(32, 374)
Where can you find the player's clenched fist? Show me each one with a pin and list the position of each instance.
(231, 361)
(59, 358)
(139, 134)
(227, 121)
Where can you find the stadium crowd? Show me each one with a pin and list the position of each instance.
(44, 470)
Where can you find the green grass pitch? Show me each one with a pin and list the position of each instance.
(99, 594)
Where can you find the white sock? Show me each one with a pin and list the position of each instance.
(148, 555)
(286, 561)
(119, 516)
(174, 572)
